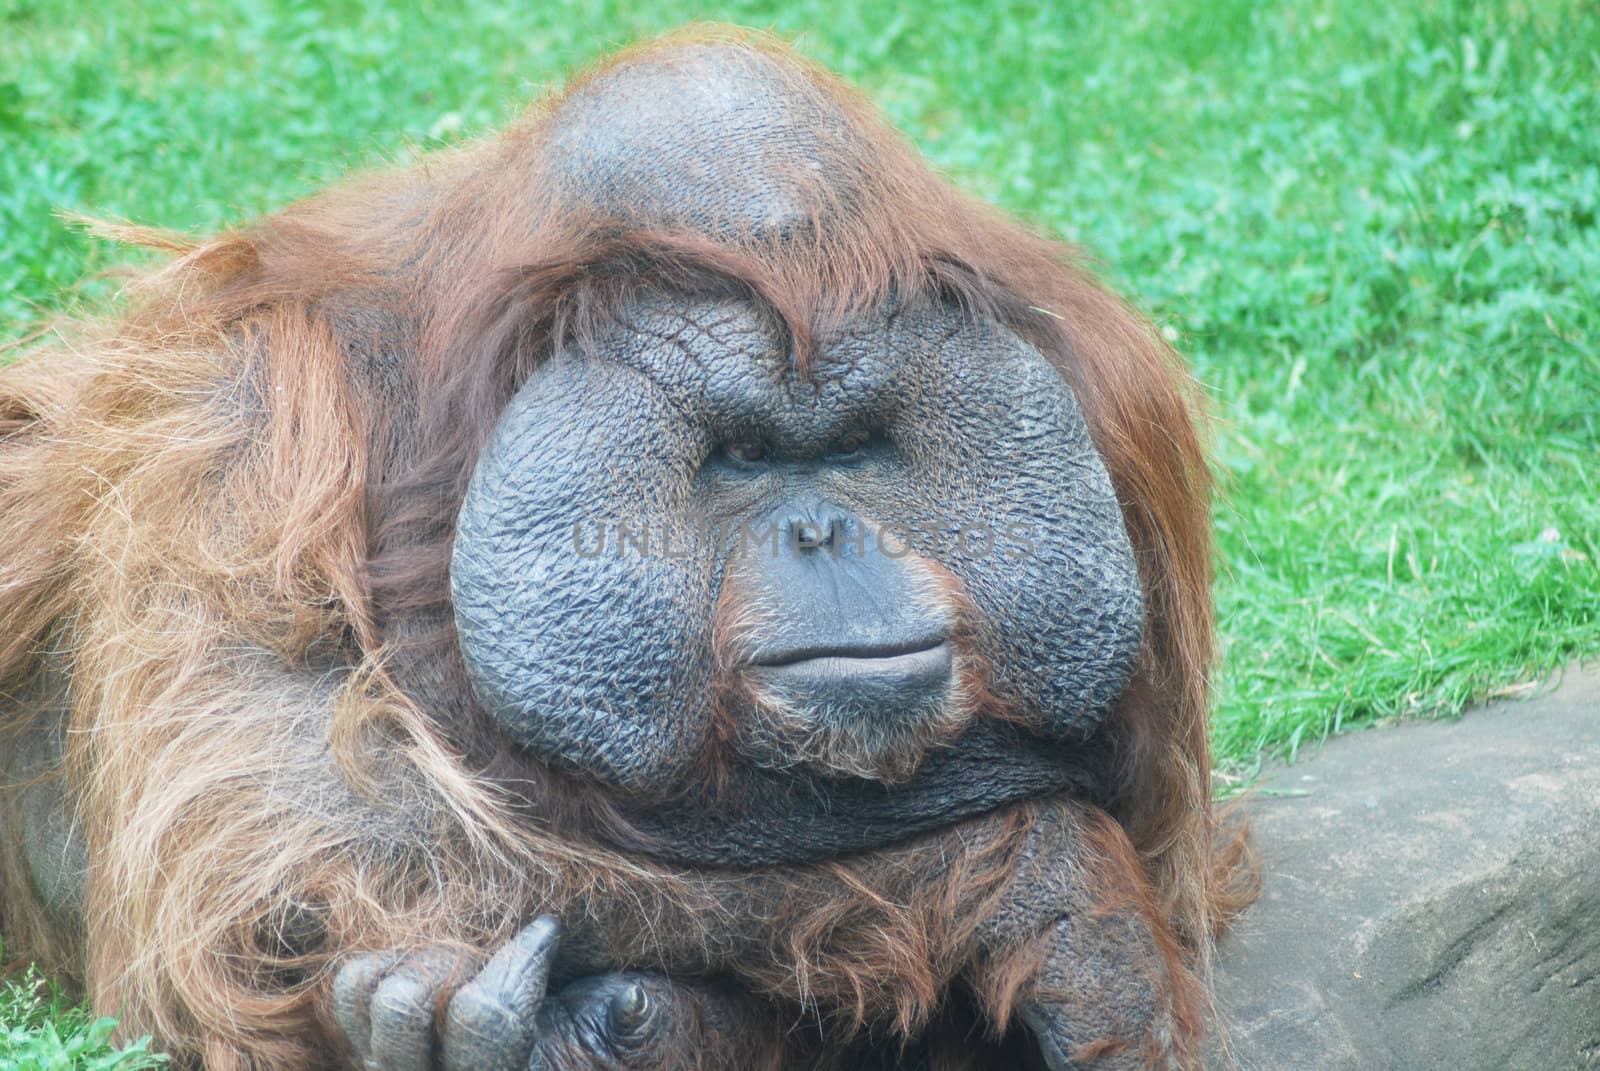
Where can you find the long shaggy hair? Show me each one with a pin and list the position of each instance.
(226, 513)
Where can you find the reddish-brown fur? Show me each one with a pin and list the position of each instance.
(246, 478)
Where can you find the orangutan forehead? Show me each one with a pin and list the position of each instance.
(727, 365)
(716, 139)
(709, 338)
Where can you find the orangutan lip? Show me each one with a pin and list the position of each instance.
(908, 666)
(860, 657)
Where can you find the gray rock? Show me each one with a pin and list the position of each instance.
(1432, 898)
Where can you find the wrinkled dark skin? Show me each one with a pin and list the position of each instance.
(1004, 447)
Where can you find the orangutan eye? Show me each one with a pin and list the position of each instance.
(852, 444)
(747, 451)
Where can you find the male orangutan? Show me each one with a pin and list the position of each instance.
(672, 585)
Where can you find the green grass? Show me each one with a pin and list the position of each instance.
(1371, 225)
(39, 1031)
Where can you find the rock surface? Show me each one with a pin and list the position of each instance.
(1431, 900)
